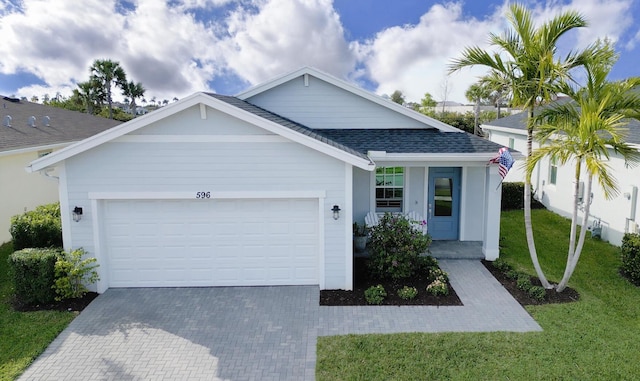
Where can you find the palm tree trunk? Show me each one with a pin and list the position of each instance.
(528, 227)
(573, 260)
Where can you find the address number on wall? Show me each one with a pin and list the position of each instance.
(203, 194)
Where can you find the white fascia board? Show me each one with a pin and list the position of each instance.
(510, 130)
(428, 121)
(34, 149)
(192, 100)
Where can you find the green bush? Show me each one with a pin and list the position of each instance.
(437, 288)
(630, 253)
(537, 292)
(72, 273)
(501, 265)
(37, 228)
(524, 282)
(512, 274)
(33, 274)
(513, 197)
(375, 294)
(438, 274)
(395, 247)
(408, 293)
(427, 263)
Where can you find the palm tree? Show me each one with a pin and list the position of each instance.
(89, 94)
(499, 89)
(106, 73)
(133, 90)
(531, 71)
(586, 132)
(477, 93)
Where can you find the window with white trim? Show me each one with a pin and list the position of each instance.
(511, 142)
(553, 171)
(389, 189)
(44, 153)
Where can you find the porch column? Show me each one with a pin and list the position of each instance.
(492, 198)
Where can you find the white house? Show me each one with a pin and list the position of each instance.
(28, 131)
(553, 183)
(262, 188)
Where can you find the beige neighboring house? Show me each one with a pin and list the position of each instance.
(28, 131)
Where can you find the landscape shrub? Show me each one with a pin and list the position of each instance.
(513, 197)
(395, 247)
(33, 274)
(501, 265)
(630, 255)
(375, 294)
(437, 288)
(512, 274)
(523, 282)
(537, 292)
(408, 293)
(72, 272)
(37, 228)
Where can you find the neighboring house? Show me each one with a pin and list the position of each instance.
(553, 184)
(28, 131)
(216, 190)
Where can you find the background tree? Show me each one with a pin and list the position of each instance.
(105, 74)
(133, 91)
(585, 132)
(428, 105)
(498, 86)
(477, 93)
(397, 97)
(531, 70)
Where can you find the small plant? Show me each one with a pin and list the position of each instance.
(537, 292)
(524, 282)
(427, 263)
(396, 246)
(71, 274)
(437, 288)
(438, 274)
(408, 293)
(512, 274)
(501, 265)
(375, 294)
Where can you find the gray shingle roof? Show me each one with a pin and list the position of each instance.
(246, 106)
(411, 141)
(65, 126)
(359, 141)
(519, 122)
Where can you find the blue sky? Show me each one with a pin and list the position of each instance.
(181, 46)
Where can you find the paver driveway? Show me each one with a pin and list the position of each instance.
(250, 333)
(226, 333)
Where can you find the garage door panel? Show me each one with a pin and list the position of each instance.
(153, 243)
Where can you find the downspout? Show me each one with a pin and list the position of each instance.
(45, 173)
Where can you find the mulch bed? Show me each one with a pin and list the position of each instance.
(77, 304)
(362, 281)
(568, 295)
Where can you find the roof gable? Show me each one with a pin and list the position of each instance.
(306, 73)
(229, 105)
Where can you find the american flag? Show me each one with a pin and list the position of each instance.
(504, 160)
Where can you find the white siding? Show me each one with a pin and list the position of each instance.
(202, 166)
(340, 108)
(559, 198)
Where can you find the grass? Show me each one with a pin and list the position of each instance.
(23, 335)
(596, 338)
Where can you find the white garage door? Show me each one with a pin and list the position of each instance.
(180, 243)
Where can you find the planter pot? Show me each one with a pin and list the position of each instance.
(360, 243)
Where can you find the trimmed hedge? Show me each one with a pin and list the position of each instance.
(33, 274)
(630, 253)
(513, 197)
(37, 228)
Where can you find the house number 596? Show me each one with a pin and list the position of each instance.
(203, 194)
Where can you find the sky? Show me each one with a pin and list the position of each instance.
(178, 47)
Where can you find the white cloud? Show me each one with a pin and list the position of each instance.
(285, 35)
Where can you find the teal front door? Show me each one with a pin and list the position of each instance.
(443, 204)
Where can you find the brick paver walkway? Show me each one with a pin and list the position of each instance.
(249, 333)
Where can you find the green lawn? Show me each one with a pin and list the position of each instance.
(23, 335)
(597, 338)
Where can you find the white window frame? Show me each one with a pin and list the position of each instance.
(553, 171)
(374, 187)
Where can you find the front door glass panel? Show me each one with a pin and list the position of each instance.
(443, 197)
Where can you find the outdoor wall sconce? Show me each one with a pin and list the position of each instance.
(336, 212)
(77, 214)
